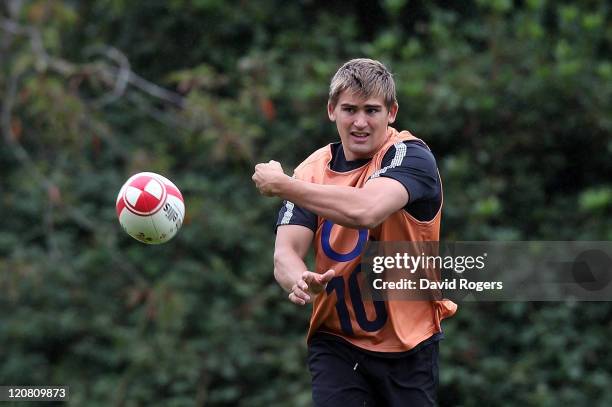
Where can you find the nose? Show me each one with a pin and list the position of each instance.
(360, 121)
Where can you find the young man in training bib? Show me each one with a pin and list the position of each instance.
(375, 184)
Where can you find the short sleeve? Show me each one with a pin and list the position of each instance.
(291, 214)
(413, 165)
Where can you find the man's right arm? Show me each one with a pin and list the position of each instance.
(292, 245)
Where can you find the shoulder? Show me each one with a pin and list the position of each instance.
(318, 159)
(413, 153)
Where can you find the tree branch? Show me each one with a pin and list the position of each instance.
(119, 76)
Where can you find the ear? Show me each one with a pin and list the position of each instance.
(331, 112)
(393, 112)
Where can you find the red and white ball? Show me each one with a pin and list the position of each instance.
(150, 208)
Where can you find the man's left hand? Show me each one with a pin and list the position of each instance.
(268, 177)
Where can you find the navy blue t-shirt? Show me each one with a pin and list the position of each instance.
(417, 172)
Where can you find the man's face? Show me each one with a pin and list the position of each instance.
(362, 123)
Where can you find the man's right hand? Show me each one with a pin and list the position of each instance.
(309, 286)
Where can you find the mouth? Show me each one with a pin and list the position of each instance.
(359, 136)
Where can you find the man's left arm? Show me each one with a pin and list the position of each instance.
(352, 207)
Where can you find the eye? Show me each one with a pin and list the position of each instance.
(373, 110)
(348, 109)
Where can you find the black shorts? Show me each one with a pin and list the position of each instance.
(345, 376)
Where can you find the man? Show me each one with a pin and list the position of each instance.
(376, 184)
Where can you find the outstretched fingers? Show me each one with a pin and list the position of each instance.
(318, 280)
(327, 277)
(299, 294)
(310, 285)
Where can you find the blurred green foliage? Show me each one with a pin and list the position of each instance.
(514, 97)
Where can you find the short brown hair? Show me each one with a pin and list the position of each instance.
(364, 77)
